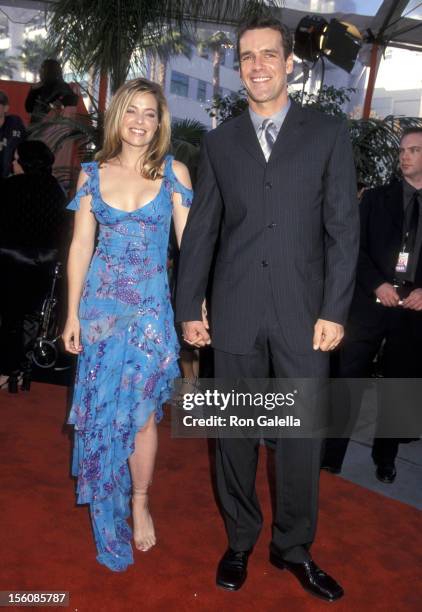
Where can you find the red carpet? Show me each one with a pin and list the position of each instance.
(371, 544)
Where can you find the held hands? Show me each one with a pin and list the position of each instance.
(387, 295)
(71, 336)
(327, 335)
(196, 333)
(413, 300)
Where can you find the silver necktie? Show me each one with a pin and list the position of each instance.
(267, 136)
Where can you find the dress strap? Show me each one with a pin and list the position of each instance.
(88, 188)
(175, 185)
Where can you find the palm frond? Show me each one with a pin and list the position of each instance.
(7, 64)
(107, 36)
(188, 130)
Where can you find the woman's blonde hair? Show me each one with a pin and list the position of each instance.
(158, 147)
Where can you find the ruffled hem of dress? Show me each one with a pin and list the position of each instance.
(108, 452)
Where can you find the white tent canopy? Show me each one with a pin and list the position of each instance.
(392, 22)
(388, 22)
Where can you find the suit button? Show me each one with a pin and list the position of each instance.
(264, 263)
(268, 185)
(272, 225)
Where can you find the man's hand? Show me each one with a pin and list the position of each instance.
(196, 332)
(387, 295)
(413, 300)
(327, 335)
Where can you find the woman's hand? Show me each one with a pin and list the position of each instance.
(71, 336)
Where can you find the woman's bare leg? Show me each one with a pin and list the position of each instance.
(141, 464)
(189, 363)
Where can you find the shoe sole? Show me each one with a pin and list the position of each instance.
(385, 480)
(225, 587)
(279, 564)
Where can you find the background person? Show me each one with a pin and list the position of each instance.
(51, 92)
(12, 132)
(391, 224)
(33, 233)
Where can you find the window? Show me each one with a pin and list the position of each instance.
(203, 52)
(201, 94)
(179, 84)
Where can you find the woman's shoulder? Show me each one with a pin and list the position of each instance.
(178, 169)
(89, 168)
(179, 180)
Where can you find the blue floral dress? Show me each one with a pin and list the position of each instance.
(129, 356)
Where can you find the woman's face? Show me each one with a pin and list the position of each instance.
(17, 168)
(140, 121)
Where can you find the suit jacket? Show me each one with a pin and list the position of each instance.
(381, 213)
(293, 219)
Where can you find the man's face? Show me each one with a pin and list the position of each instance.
(263, 68)
(410, 155)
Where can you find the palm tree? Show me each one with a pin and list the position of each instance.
(215, 43)
(107, 36)
(170, 44)
(7, 65)
(33, 52)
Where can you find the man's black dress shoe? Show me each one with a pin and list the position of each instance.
(386, 473)
(311, 577)
(232, 569)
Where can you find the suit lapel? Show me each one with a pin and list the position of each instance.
(394, 203)
(287, 138)
(247, 138)
(289, 134)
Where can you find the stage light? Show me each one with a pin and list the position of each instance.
(341, 44)
(308, 35)
(339, 41)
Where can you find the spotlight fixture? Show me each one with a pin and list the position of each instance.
(339, 41)
(341, 44)
(308, 36)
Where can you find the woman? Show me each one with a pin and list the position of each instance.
(124, 332)
(32, 232)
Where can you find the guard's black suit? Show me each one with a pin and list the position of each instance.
(287, 233)
(381, 213)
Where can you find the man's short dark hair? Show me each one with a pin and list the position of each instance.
(264, 21)
(411, 130)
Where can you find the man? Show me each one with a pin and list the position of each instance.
(51, 92)
(387, 304)
(12, 132)
(277, 187)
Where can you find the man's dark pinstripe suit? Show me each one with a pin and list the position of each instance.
(286, 232)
